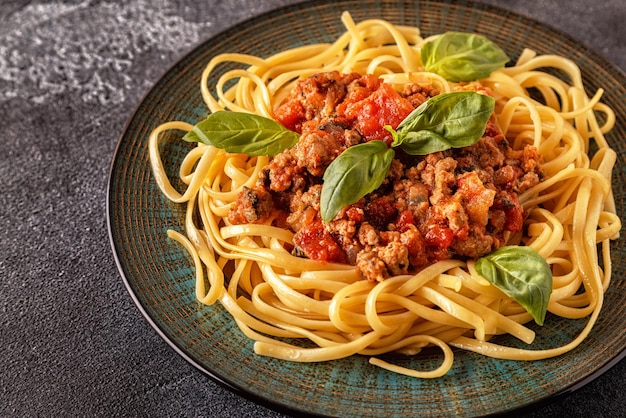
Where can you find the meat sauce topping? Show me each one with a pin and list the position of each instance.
(458, 203)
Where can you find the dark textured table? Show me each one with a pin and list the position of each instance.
(72, 343)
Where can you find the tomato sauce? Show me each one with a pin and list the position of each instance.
(371, 114)
(459, 203)
(314, 241)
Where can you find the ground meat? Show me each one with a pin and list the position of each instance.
(368, 235)
(384, 261)
(477, 199)
(456, 203)
(415, 244)
(304, 207)
(316, 150)
(252, 206)
(371, 266)
(440, 175)
(411, 198)
(344, 231)
(476, 243)
(417, 94)
(314, 98)
(395, 255)
(448, 213)
(283, 173)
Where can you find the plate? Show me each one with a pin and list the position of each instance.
(160, 278)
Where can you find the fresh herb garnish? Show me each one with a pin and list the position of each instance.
(458, 56)
(448, 120)
(359, 170)
(522, 274)
(243, 133)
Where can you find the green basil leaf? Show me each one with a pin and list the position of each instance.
(243, 133)
(522, 274)
(448, 120)
(458, 56)
(357, 171)
(425, 142)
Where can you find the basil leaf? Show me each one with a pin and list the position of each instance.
(458, 56)
(243, 133)
(357, 171)
(521, 273)
(448, 120)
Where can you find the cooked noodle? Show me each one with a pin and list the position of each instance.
(273, 295)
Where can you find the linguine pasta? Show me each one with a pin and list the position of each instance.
(274, 296)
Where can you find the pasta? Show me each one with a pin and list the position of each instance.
(274, 295)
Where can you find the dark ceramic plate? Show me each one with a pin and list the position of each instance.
(160, 276)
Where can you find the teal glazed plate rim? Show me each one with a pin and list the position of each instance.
(160, 277)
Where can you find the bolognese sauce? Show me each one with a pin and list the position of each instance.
(458, 203)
